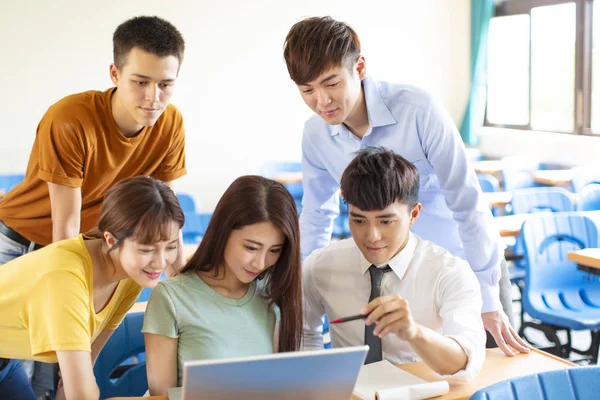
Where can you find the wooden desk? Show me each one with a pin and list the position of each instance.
(488, 166)
(138, 307)
(587, 260)
(288, 177)
(496, 367)
(510, 225)
(556, 177)
(497, 199)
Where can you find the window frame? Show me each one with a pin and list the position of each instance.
(582, 117)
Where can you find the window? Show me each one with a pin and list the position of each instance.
(542, 73)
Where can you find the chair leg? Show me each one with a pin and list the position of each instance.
(550, 332)
(591, 354)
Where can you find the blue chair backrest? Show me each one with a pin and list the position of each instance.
(127, 341)
(195, 226)
(568, 384)
(186, 202)
(583, 176)
(547, 238)
(589, 198)
(488, 183)
(516, 172)
(531, 200)
(7, 182)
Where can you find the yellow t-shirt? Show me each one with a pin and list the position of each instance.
(46, 303)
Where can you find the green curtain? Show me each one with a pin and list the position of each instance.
(481, 13)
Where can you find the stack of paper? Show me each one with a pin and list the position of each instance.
(384, 381)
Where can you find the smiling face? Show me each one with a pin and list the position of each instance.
(380, 235)
(145, 85)
(144, 263)
(335, 94)
(253, 249)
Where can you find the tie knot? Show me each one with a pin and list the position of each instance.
(377, 274)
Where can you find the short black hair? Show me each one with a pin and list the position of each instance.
(378, 177)
(152, 34)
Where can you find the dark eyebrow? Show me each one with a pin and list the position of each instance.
(329, 77)
(392, 215)
(260, 244)
(149, 78)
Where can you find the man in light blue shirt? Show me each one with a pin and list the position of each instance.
(353, 112)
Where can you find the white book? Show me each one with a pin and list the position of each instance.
(384, 381)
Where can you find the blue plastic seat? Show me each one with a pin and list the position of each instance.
(554, 199)
(516, 172)
(556, 293)
(7, 182)
(341, 225)
(488, 183)
(195, 227)
(126, 342)
(568, 384)
(186, 202)
(589, 198)
(583, 176)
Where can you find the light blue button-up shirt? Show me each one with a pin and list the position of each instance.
(411, 123)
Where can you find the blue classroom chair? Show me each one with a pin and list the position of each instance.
(7, 182)
(556, 293)
(488, 183)
(554, 199)
(516, 172)
(581, 383)
(126, 342)
(589, 198)
(186, 202)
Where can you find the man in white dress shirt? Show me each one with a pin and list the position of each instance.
(429, 307)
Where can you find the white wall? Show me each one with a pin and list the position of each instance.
(239, 105)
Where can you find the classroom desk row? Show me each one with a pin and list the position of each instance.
(496, 367)
(560, 177)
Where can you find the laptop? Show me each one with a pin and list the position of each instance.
(304, 375)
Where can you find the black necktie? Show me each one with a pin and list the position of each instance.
(371, 340)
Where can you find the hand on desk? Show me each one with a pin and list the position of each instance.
(496, 323)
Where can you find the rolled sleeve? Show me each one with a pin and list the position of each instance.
(459, 300)
(481, 241)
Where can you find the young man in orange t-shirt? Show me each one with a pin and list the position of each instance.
(87, 142)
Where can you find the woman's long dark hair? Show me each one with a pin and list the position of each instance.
(249, 200)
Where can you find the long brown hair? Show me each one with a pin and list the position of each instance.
(249, 200)
(139, 207)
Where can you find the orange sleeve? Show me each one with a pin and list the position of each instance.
(173, 165)
(61, 149)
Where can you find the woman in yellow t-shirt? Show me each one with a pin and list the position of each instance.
(61, 303)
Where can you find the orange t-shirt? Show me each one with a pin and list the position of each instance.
(78, 144)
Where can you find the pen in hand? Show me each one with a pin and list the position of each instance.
(347, 319)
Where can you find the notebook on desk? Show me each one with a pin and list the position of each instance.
(384, 381)
(315, 375)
